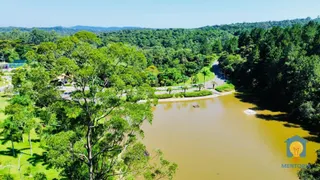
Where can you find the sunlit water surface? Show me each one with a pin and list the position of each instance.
(219, 141)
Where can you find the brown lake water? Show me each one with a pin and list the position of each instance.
(218, 141)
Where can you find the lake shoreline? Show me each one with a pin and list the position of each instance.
(192, 98)
(195, 98)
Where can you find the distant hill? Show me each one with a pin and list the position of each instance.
(265, 25)
(227, 27)
(103, 29)
(71, 30)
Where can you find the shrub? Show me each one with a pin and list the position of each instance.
(40, 176)
(198, 93)
(179, 95)
(7, 177)
(187, 94)
(134, 98)
(164, 96)
(225, 87)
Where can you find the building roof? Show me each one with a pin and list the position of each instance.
(20, 61)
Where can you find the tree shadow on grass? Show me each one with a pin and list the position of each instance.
(35, 140)
(8, 152)
(36, 159)
(6, 96)
(4, 141)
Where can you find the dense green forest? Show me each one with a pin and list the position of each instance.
(170, 60)
(173, 55)
(236, 27)
(282, 63)
(178, 54)
(271, 60)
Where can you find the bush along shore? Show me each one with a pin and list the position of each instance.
(185, 94)
(225, 87)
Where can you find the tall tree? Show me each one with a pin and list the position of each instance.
(11, 132)
(20, 111)
(205, 72)
(89, 134)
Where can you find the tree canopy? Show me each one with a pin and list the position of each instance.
(96, 132)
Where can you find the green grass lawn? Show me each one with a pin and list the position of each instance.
(226, 87)
(29, 164)
(201, 77)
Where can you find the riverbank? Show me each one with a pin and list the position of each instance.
(195, 98)
(192, 98)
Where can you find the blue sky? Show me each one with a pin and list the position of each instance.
(150, 13)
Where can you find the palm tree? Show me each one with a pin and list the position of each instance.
(213, 84)
(185, 79)
(185, 88)
(163, 82)
(200, 86)
(195, 79)
(205, 72)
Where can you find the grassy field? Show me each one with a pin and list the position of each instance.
(29, 164)
(200, 77)
(226, 87)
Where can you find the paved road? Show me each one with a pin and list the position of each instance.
(219, 78)
(8, 79)
(2, 88)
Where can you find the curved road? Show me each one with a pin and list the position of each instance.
(219, 78)
(8, 79)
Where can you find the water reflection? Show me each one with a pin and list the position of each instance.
(203, 104)
(189, 105)
(184, 104)
(167, 106)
